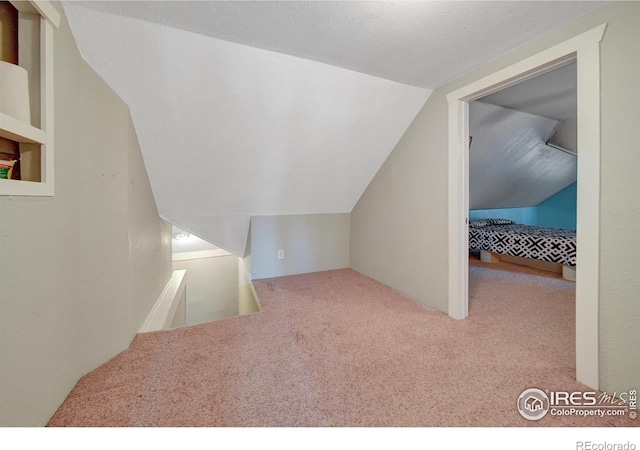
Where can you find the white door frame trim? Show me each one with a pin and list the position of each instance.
(585, 49)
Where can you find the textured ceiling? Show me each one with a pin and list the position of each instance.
(509, 163)
(421, 43)
(553, 95)
(256, 108)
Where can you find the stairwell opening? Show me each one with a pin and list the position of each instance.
(218, 284)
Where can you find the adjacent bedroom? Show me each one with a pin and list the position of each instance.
(522, 211)
(523, 176)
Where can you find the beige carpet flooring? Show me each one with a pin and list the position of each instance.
(339, 349)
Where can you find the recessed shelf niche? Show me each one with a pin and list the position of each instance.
(28, 137)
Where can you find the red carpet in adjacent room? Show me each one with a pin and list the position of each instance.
(339, 349)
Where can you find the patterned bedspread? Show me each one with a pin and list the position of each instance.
(546, 244)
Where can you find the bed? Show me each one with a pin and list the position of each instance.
(504, 240)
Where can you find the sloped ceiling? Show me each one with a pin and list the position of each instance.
(250, 108)
(509, 163)
(229, 131)
(183, 242)
(553, 95)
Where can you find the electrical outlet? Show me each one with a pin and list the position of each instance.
(281, 254)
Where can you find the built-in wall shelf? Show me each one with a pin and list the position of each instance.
(23, 188)
(19, 131)
(36, 23)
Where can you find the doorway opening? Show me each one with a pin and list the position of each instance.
(585, 49)
(523, 173)
(522, 213)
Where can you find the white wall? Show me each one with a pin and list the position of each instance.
(80, 270)
(212, 287)
(399, 227)
(149, 239)
(311, 243)
(247, 301)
